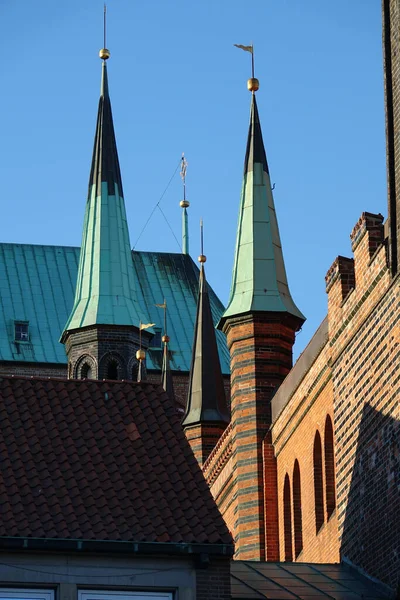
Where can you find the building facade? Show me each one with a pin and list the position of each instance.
(303, 461)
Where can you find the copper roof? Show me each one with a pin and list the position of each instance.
(99, 460)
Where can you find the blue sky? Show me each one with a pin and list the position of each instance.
(178, 84)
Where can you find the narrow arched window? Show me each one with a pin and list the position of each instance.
(297, 518)
(112, 370)
(329, 468)
(86, 371)
(287, 519)
(318, 483)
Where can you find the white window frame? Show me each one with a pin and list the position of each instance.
(25, 594)
(117, 595)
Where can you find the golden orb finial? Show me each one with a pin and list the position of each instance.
(141, 354)
(104, 54)
(184, 203)
(165, 339)
(253, 84)
(202, 258)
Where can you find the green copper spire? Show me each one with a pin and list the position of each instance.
(105, 292)
(259, 282)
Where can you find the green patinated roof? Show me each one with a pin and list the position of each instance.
(259, 282)
(37, 284)
(105, 291)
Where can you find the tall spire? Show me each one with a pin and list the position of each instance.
(206, 395)
(184, 204)
(259, 282)
(105, 292)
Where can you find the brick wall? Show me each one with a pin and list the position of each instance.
(293, 435)
(364, 345)
(33, 369)
(213, 582)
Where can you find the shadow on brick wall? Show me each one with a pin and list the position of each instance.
(371, 527)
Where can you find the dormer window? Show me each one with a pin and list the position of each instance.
(21, 331)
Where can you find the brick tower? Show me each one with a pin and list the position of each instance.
(260, 323)
(101, 336)
(206, 414)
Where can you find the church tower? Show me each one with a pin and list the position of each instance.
(260, 323)
(101, 336)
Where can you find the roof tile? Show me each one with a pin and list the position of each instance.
(98, 472)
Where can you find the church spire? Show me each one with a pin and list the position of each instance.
(259, 282)
(206, 395)
(105, 292)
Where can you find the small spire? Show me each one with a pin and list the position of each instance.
(184, 204)
(206, 395)
(259, 281)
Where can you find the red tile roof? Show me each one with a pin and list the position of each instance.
(99, 460)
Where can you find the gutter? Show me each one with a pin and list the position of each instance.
(114, 546)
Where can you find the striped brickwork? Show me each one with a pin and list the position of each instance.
(261, 356)
(203, 438)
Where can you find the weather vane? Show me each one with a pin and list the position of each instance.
(253, 83)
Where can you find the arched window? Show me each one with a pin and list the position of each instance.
(86, 371)
(329, 468)
(112, 370)
(318, 483)
(287, 519)
(297, 520)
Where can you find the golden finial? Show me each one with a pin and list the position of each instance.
(140, 354)
(184, 203)
(165, 339)
(104, 52)
(253, 84)
(202, 258)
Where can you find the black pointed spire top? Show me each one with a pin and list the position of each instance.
(206, 395)
(105, 163)
(255, 151)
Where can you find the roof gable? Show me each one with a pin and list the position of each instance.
(100, 460)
